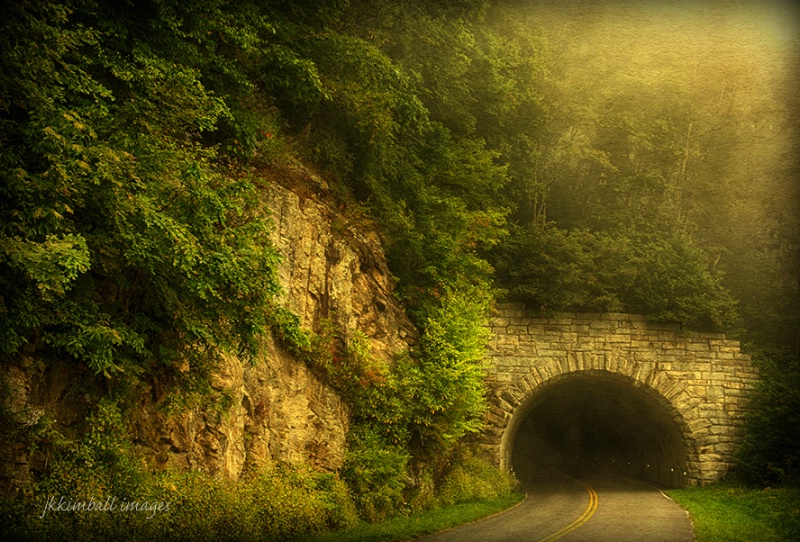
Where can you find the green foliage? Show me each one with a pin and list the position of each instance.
(445, 391)
(427, 402)
(729, 513)
(770, 453)
(473, 479)
(278, 504)
(101, 461)
(665, 277)
(286, 328)
(635, 140)
(127, 239)
(376, 473)
(407, 416)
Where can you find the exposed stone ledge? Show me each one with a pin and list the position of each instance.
(279, 410)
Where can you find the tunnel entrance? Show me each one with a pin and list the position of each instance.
(597, 424)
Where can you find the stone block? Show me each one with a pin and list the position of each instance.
(694, 346)
(495, 420)
(531, 380)
(509, 398)
(730, 385)
(500, 413)
(516, 393)
(507, 339)
(698, 424)
(618, 338)
(629, 368)
(589, 360)
(715, 393)
(678, 387)
(536, 330)
(586, 316)
(570, 363)
(718, 429)
(549, 352)
(604, 325)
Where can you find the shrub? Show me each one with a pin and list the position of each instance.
(376, 473)
(770, 453)
(474, 479)
(275, 504)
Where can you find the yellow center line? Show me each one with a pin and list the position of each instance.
(588, 513)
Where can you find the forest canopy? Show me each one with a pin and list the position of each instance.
(597, 159)
(593, 156)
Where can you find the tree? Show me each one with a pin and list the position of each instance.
(125, 241)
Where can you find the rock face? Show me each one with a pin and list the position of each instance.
(280, 411)
(334, 271)
(276, 410)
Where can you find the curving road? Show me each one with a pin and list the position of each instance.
(607, 509)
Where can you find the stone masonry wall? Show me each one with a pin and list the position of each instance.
(701, 379)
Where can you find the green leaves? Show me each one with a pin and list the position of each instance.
(52, 265)
(770, 453)
(431, 400)
(663, 275)
(447, 385)
(375, 473)
(127, 239)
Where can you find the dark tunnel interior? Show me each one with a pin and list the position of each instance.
(592, 425)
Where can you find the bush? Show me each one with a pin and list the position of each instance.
(277, 504)
(474, 479)
(376, 473)
(770, 453)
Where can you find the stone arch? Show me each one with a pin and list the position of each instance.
(701, 380)
(675, 466)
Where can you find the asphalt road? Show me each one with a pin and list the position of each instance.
(603, 509)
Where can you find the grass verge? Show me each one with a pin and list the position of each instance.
(729, 513)
(417, 525)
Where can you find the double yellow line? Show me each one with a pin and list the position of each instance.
(588, 513)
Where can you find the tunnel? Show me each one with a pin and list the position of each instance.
(598, 424)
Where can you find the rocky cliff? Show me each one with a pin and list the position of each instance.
(276, 410)
(281, 412)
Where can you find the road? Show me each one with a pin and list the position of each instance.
(603, 509)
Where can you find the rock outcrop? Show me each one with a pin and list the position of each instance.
(275, 410)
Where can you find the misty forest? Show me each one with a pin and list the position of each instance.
(594, 156)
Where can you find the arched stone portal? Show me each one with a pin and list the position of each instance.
(597, 421)
(614, 392)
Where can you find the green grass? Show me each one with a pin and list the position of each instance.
(406, 528)
(728, 513)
